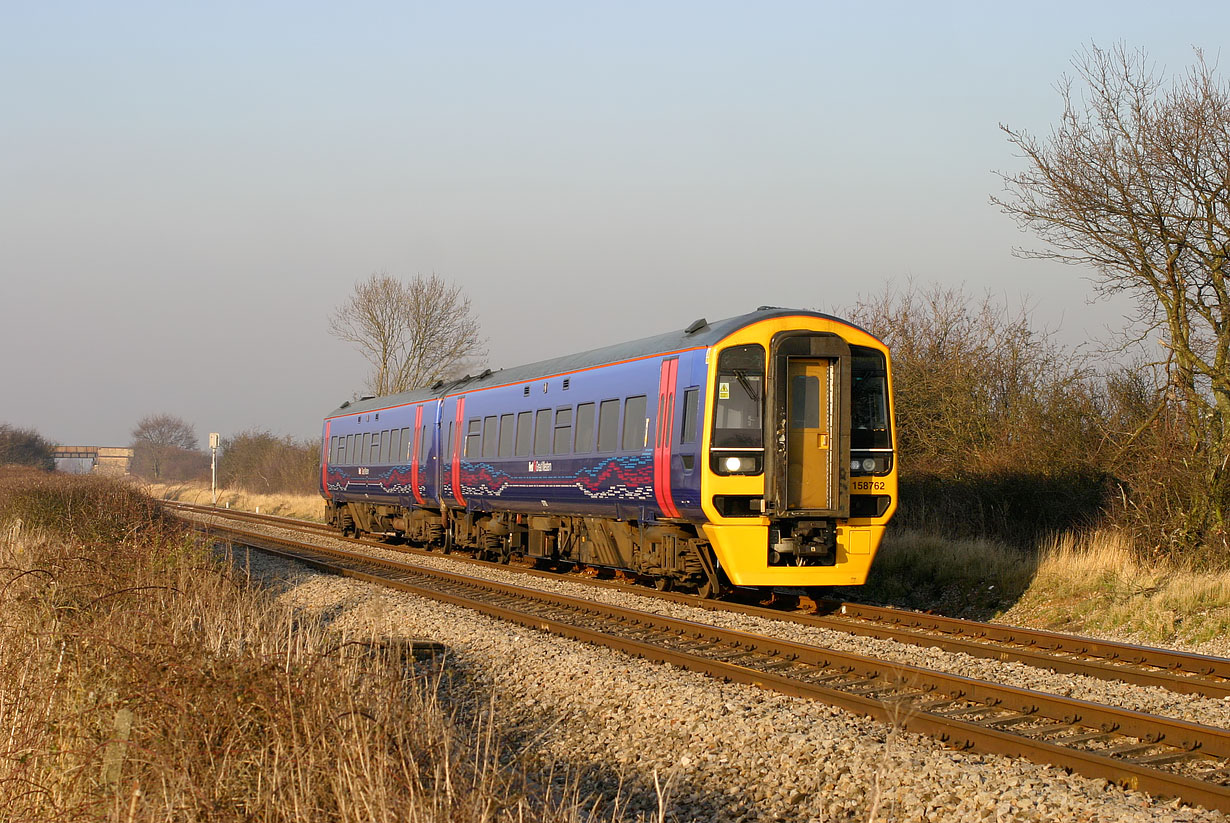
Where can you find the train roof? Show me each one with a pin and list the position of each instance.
(700, 334)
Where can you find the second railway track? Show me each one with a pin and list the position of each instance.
(1154, 754)
(1177, 671)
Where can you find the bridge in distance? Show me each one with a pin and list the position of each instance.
(103, 459)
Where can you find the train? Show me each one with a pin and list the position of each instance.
(755, 452)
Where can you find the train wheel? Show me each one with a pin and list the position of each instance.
(663, 584)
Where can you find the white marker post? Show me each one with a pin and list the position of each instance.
(213, 466)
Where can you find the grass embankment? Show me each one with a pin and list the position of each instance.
(142, 680)
(1096, 584)
(302, 506)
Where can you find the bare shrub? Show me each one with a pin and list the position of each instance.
(998, 426)
(25, 447)
(258, 461)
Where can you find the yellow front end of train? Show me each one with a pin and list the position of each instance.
(799, 474)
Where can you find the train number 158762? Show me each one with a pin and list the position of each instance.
(860, 485)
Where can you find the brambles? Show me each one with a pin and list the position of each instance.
(143, 679)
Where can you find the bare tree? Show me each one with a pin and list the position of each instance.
(1135, 183)
(160, 440)
(413, 333)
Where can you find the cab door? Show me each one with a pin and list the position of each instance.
(809, 433)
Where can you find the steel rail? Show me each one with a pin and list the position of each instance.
(960, 711)
(1178, 671)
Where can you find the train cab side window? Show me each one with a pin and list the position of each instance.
(508, 435)
(608, 426)
(636, 424)
(691, 399)
(473, 436)
(490, 438)
(563, 431)
(542, 432)
(332, 450)
(585, 428)
(525, 433)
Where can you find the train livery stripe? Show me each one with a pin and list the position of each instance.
(414, 453)
(662, 443)
(459, 437)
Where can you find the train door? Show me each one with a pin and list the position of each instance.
(809, 378)
(809, 434)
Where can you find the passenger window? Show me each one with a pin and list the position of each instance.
(490, 438)
(365, 449)
(403, 450)
(636, 425)
(507, 435)
(384, 446)
(542, 432)
(691, 399)
(424, 443)
(472, 438)
(448, 446)
(608, 426)
(804, 402)
(350, 453)
(563, 431)
(525, 433)
(585, 428)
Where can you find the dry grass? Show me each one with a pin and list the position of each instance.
(1100, 583)
(141, 680)
(1097, 583)
(302, 506)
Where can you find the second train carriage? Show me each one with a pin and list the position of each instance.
(754, 451)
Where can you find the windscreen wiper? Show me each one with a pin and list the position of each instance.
(741, 376)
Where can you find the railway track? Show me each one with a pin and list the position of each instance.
(1158, 755)
(1177, 671)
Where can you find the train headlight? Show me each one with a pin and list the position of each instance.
(868, 464)
(736, 463)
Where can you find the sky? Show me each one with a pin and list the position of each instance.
(188, 190)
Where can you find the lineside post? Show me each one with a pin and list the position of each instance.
(213, 466)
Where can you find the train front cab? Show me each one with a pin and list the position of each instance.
(799, 478)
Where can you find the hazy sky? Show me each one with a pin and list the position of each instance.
(187, 190)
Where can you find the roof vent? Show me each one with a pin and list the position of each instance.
(345, 403)
(696, 326)
(484, 374)
(366, 397)
(767, 308)
(437, 384)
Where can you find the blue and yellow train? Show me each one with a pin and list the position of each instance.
(756, 451)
